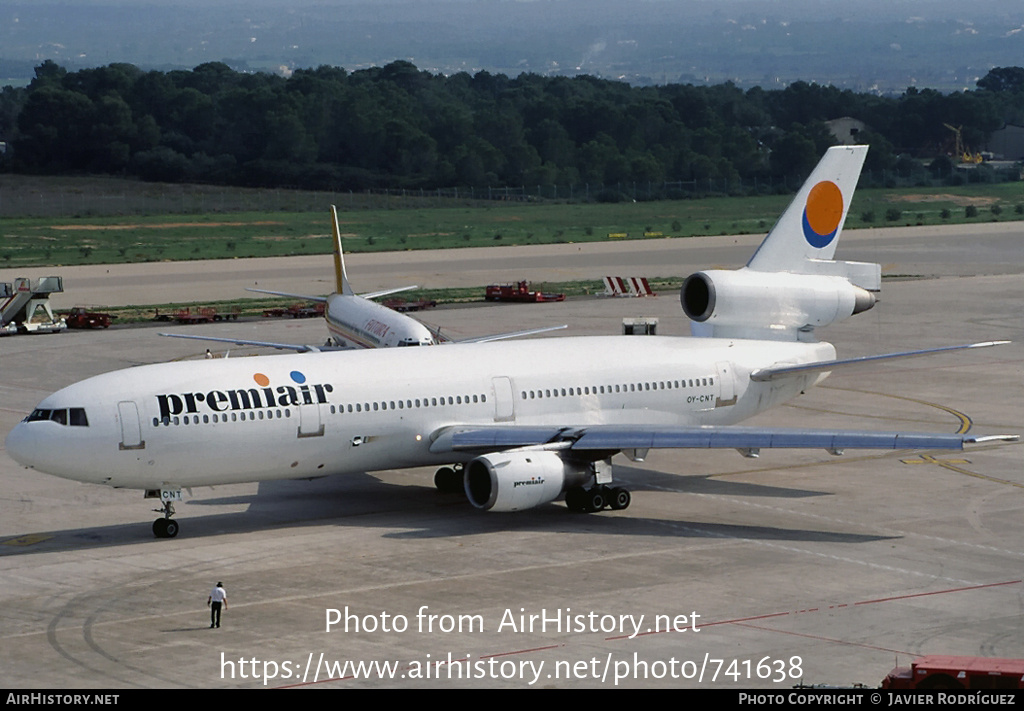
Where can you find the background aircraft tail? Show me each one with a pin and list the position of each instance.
(791, 285)
(340, 276)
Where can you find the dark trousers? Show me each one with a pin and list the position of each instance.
(215, 614)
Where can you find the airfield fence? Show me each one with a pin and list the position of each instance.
(101, 197)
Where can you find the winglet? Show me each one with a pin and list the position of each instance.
(340, 276)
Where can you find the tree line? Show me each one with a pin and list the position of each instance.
(399, 127)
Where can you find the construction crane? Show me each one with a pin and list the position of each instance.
(961, 152)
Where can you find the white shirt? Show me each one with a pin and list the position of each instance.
(218, 595)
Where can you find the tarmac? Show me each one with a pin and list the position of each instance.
(725, 572)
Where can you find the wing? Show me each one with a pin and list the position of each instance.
(634, 441)
(298, 347)
(511, 334)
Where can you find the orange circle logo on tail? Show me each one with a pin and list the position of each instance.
(823, 213)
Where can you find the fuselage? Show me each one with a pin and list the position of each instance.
(355, 321)
(224, 421)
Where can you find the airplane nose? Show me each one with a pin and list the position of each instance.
(20, 445)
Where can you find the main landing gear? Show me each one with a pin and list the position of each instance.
(448, 480)
(597, 498)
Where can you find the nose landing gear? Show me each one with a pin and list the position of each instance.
(165, 527)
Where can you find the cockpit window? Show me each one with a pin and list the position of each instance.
(74, 416)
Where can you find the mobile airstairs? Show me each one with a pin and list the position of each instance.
(25, 306)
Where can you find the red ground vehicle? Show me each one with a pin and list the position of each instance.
(300, 310)
(79, 317)
(403, 306)
(943, 672)
(187, 315)
(519, 292)
(205, 314)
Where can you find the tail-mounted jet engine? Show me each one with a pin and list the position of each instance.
(769, 305)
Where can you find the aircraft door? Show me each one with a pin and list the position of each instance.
(131, 429)
(726, 385)
(309, 421)
(504, 401)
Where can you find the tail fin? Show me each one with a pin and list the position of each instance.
(791, 285)
(810, 227)
(340, 276)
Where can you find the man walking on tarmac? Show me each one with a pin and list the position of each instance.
(218, 597)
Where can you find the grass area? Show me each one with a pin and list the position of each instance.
(31, 242)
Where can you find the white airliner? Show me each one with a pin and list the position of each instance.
(356, 321)
(525, 422)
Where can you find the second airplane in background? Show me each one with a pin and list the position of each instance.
(356, 321)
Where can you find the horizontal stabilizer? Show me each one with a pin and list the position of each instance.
(386, 292)
(322, 299)
(511, 334)
(789, 371)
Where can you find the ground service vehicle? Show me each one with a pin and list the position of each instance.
(80, 317)
(945, 672)
(519, 291)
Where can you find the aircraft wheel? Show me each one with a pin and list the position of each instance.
(619, 499)
(594, 500)
(574, 498)
(165, 528)
(448, 481)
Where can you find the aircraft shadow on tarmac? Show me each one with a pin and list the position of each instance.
(422, 513)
